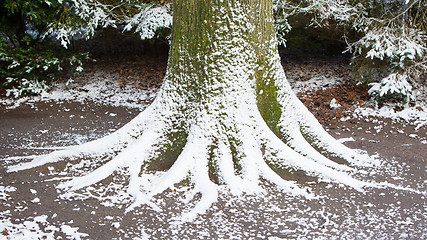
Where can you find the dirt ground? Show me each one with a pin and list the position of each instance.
(337, 213)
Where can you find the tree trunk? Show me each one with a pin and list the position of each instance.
(225, 115)
(216, 45)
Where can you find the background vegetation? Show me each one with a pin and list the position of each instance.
(387, 38)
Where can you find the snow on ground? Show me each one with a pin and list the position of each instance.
(30, 229)
(99, 90)
(273, 216)
(416, 116)
(315, 83)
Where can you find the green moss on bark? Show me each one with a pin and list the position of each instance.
(170, 152)
(268, 105)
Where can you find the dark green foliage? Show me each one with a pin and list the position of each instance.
(29, 60)
(33, 69)
(387, 38)
(32, 30)
(23, 22)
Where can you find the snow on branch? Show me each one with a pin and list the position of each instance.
(149, 21)
(85, 17)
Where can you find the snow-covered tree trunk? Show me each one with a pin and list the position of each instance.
(225, 115)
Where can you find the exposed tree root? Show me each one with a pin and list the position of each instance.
(213, 139)
(148, 121)
(229, 143)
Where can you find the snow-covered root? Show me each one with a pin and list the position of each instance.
(133, 156)
(109, 144)
(202, 184)
(304, 133)
(294, 138)
(322, 140)
(192, 162)
(254, 162)
(282, 156)
(194, 149)
(249, 179)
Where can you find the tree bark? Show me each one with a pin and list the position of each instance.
(210, 38)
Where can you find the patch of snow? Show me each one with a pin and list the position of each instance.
(343, 119)
(315, 83)
(414, 115)
(72, 232)
(31, 229)
(334, 104)
(413, 136)
(343, 140)
(4, 190)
